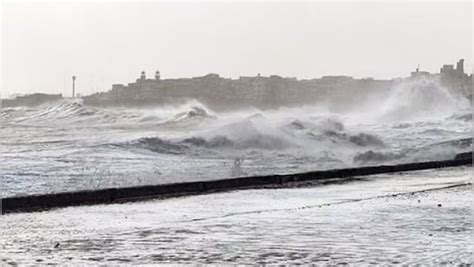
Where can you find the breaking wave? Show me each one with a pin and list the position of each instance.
(194, 114)
(420, 99)
(74, 112)
(65, 112)
(321, 141)
(187, 145)
(437, 151)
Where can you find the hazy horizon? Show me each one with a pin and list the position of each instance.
(44, 44)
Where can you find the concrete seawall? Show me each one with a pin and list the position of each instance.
(129, 194)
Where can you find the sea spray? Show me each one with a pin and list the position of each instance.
(66, 145)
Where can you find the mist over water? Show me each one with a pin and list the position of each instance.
(67, 146)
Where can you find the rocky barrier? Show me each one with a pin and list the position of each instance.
(129, 194)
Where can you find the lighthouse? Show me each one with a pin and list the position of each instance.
(73, 86)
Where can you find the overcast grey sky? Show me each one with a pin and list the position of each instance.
(43, 44)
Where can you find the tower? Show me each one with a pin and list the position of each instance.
(157, 75)
(460, 66)
(73, 86)
(143, 75)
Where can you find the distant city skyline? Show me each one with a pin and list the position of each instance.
(45, 44)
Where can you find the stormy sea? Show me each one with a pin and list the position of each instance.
(419, 217)
(67, 146)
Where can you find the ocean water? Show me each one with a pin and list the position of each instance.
(67, 146)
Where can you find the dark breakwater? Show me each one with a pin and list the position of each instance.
(129, 194)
